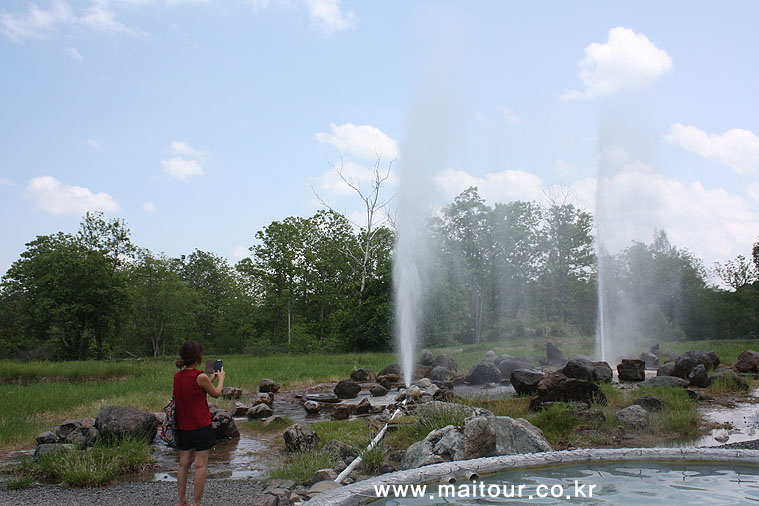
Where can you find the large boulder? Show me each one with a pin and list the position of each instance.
(698, 377)
(688, 361)
(268, 386)
(48, 448)
(479, 436)
(649, 403)
(342, 412)
(483, 372)
(363, 375)
(378, 390)
(440, 373)
(507, 365)
(633, 416)
(426, 358)
(264, 398)
(579, 368)
(446, 361)
(299, 438)
(665, 381)
(602, 372)
(748, 362)
(554, 354)
(649, 358)
(631, 370)
(394, 369)
(223, 424)
(666, 369)
(347, 389)
(667, 356)
(556, 387)
(728, 376)
(259, 411)
(525, 381)
(116, 422)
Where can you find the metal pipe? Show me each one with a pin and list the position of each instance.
(372, 444)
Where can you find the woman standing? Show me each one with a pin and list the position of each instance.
(194, 431)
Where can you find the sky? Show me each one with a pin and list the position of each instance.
(200, 122)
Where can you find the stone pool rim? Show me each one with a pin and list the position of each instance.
(362, 492)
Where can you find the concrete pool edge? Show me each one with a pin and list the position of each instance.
(362, 492)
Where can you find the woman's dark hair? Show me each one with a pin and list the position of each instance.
(191, 353)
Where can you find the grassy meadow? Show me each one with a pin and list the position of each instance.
(37, 395)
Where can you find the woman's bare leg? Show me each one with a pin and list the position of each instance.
(185, 461)
(201, 462)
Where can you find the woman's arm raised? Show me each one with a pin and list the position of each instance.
(205, 383)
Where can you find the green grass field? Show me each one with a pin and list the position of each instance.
(38, 395)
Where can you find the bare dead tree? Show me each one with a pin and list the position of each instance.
(375, 213)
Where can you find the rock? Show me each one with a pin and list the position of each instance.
(264, 398)
(87, 422)
(276, 493)
(649, 359)
(273, 420)
(64, 429)
(443, 394)
(649, 403)
(47, 437)
(47, 448)
(240, 409)
(268, 386)
(444, 360)
(602, 372)
(378, 391)
(665, 381)
(667, 356)
(386, 382)
(483, 372)
(509, 364)
(342, 412)
(557, 387)
(393, 369)
(323, 474)
(525, 381)
(633, 416)
(327, 397)
(592, 415)
(363, 375)
(424, 383)
(490, 356)
(688, 361)
(748, 362)
(631, 370)
(347, 389)
(413, 392)
(426, 358)
(116, 422)
(364, 406)
(299, 438)
(697, 396)
(341, 450)
(554, 354)
(311, 407)
(421, 371)
(728, 376)
(259, 411)
(440, 373)
(667, 369)
(387, 468)
(579, 369)
(82, 437)
(698, 377)
(231, 392)
(224, 426)
(321, 487)
(654, 350)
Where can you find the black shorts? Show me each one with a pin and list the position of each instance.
(196, 439)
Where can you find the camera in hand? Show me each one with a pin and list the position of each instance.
(213, 366)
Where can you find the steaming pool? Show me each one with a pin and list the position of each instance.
(627, 476)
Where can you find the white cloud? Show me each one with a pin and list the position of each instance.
(187, 163)
(627, 62)
(362, 141)
(240, 252)
(92, 143)
(510, 116)
(149, 207)
(74, 53)
(182, 168)
(328, 16)
(737, 148)
(51, 195)
(752, 191)
(494, 187)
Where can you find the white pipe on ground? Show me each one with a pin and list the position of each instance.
(372, 444)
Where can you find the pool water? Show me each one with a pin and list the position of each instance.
(650, 483)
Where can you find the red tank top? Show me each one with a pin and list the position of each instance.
(190, 399)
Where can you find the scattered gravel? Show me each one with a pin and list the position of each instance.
(743, 445)
(217, 493)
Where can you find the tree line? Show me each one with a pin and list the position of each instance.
(513, 270)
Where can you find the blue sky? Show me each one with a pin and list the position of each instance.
(200, 122)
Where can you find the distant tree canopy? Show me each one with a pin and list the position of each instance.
(514, 270)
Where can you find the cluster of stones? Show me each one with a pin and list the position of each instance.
(260, 405)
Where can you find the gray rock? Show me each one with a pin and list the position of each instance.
(66, 428)
(748, 362)
(509, 365)
(115, 422)
(311, 407)
(327, 397)
(264, 398)
(424, 383)
(323, 474)
(426, 358)
(688, 361)
(299, 438)
(633, 416)
(631, 370)
(483, 372)
(649, 403)
(440, 373)
(342, 412)
(490, 356)
(231, 392)
(649, 358)
(260, 411)
(698, 377)
(602, 372)
(47, 437)
(268, 386)
(272, 420)
(392, 369)
(87, 422)
(728, 375)
(554, 354)
(378, 391)
(240, 409)
(364, 406)
(444, 360)
(322, 486)
(667, 356)
(347, 389)
(557, 387)
(667, 369)
(47, 448)
(223, 424)
(363, 375)
(665, 381)
(517, 435)
(341, 450)
(525, 381)
(82, 437)
(579, 369)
